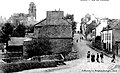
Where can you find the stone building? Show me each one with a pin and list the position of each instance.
(26, 19)
(57, 30)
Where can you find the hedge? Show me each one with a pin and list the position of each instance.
(25, 65)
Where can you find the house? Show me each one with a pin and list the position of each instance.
(57, 30)
(103, 22)
(99, 28)
(110, 37)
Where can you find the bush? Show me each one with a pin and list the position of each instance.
(25, 65)
(38, 47)
(71, 56)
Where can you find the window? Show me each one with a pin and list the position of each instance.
(105, 36)
(109, 36)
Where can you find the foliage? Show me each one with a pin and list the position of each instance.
(73, 23)
(90, 27)
(69, 16)
(25, 65)
(19, 31)
(86, 19)
(30, 29)
(71, 56)
(7, 30)
(38, 47)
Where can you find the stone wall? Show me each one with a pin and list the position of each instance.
(57, 45)
(55, 14)
(53, 31)
(61, 45)
(116, 36)
(57, 30)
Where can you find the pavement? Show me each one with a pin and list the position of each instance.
(81, 65)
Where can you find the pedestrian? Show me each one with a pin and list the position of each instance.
(92, 58)
(101, 55)
(88, 56)
(80, 39)
(113, 58)
(77, 40)
(97, 59)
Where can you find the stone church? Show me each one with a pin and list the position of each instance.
(26, 19)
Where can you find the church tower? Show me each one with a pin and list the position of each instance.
(32, 9)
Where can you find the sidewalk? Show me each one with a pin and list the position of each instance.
(106, 54)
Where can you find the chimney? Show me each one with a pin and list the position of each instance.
(55, 14)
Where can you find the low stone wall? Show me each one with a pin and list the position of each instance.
(25, 65)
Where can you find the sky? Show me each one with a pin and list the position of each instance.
(79, 8)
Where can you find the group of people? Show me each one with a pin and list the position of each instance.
(91, 57)
(98, 58)
(81, 38)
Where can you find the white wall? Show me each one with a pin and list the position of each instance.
(106, 37)
(100, 27)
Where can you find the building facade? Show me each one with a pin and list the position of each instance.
(57, 30)
(110, 37)
(107, 40)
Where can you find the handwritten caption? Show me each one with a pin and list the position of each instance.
(99, 70)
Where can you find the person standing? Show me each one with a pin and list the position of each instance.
(80, 39)
(101, 55)
(88, 56)
(92, 58)
(77, 40)
(97, 59)
(113, 58)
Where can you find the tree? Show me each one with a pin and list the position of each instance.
(90, 27)
(7, 30)
(30, 29)
(74, 26)
(19, 31)
(69, 16)
(38, 47)
(73, 23)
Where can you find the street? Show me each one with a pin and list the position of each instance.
(81, 65)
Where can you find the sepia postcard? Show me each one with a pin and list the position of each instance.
(59, 36)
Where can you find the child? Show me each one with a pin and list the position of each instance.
(97, 59)
(113, 58)
(101, 55)
(92, 58)
(88, 56)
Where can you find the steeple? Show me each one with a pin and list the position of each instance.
(32, 9)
